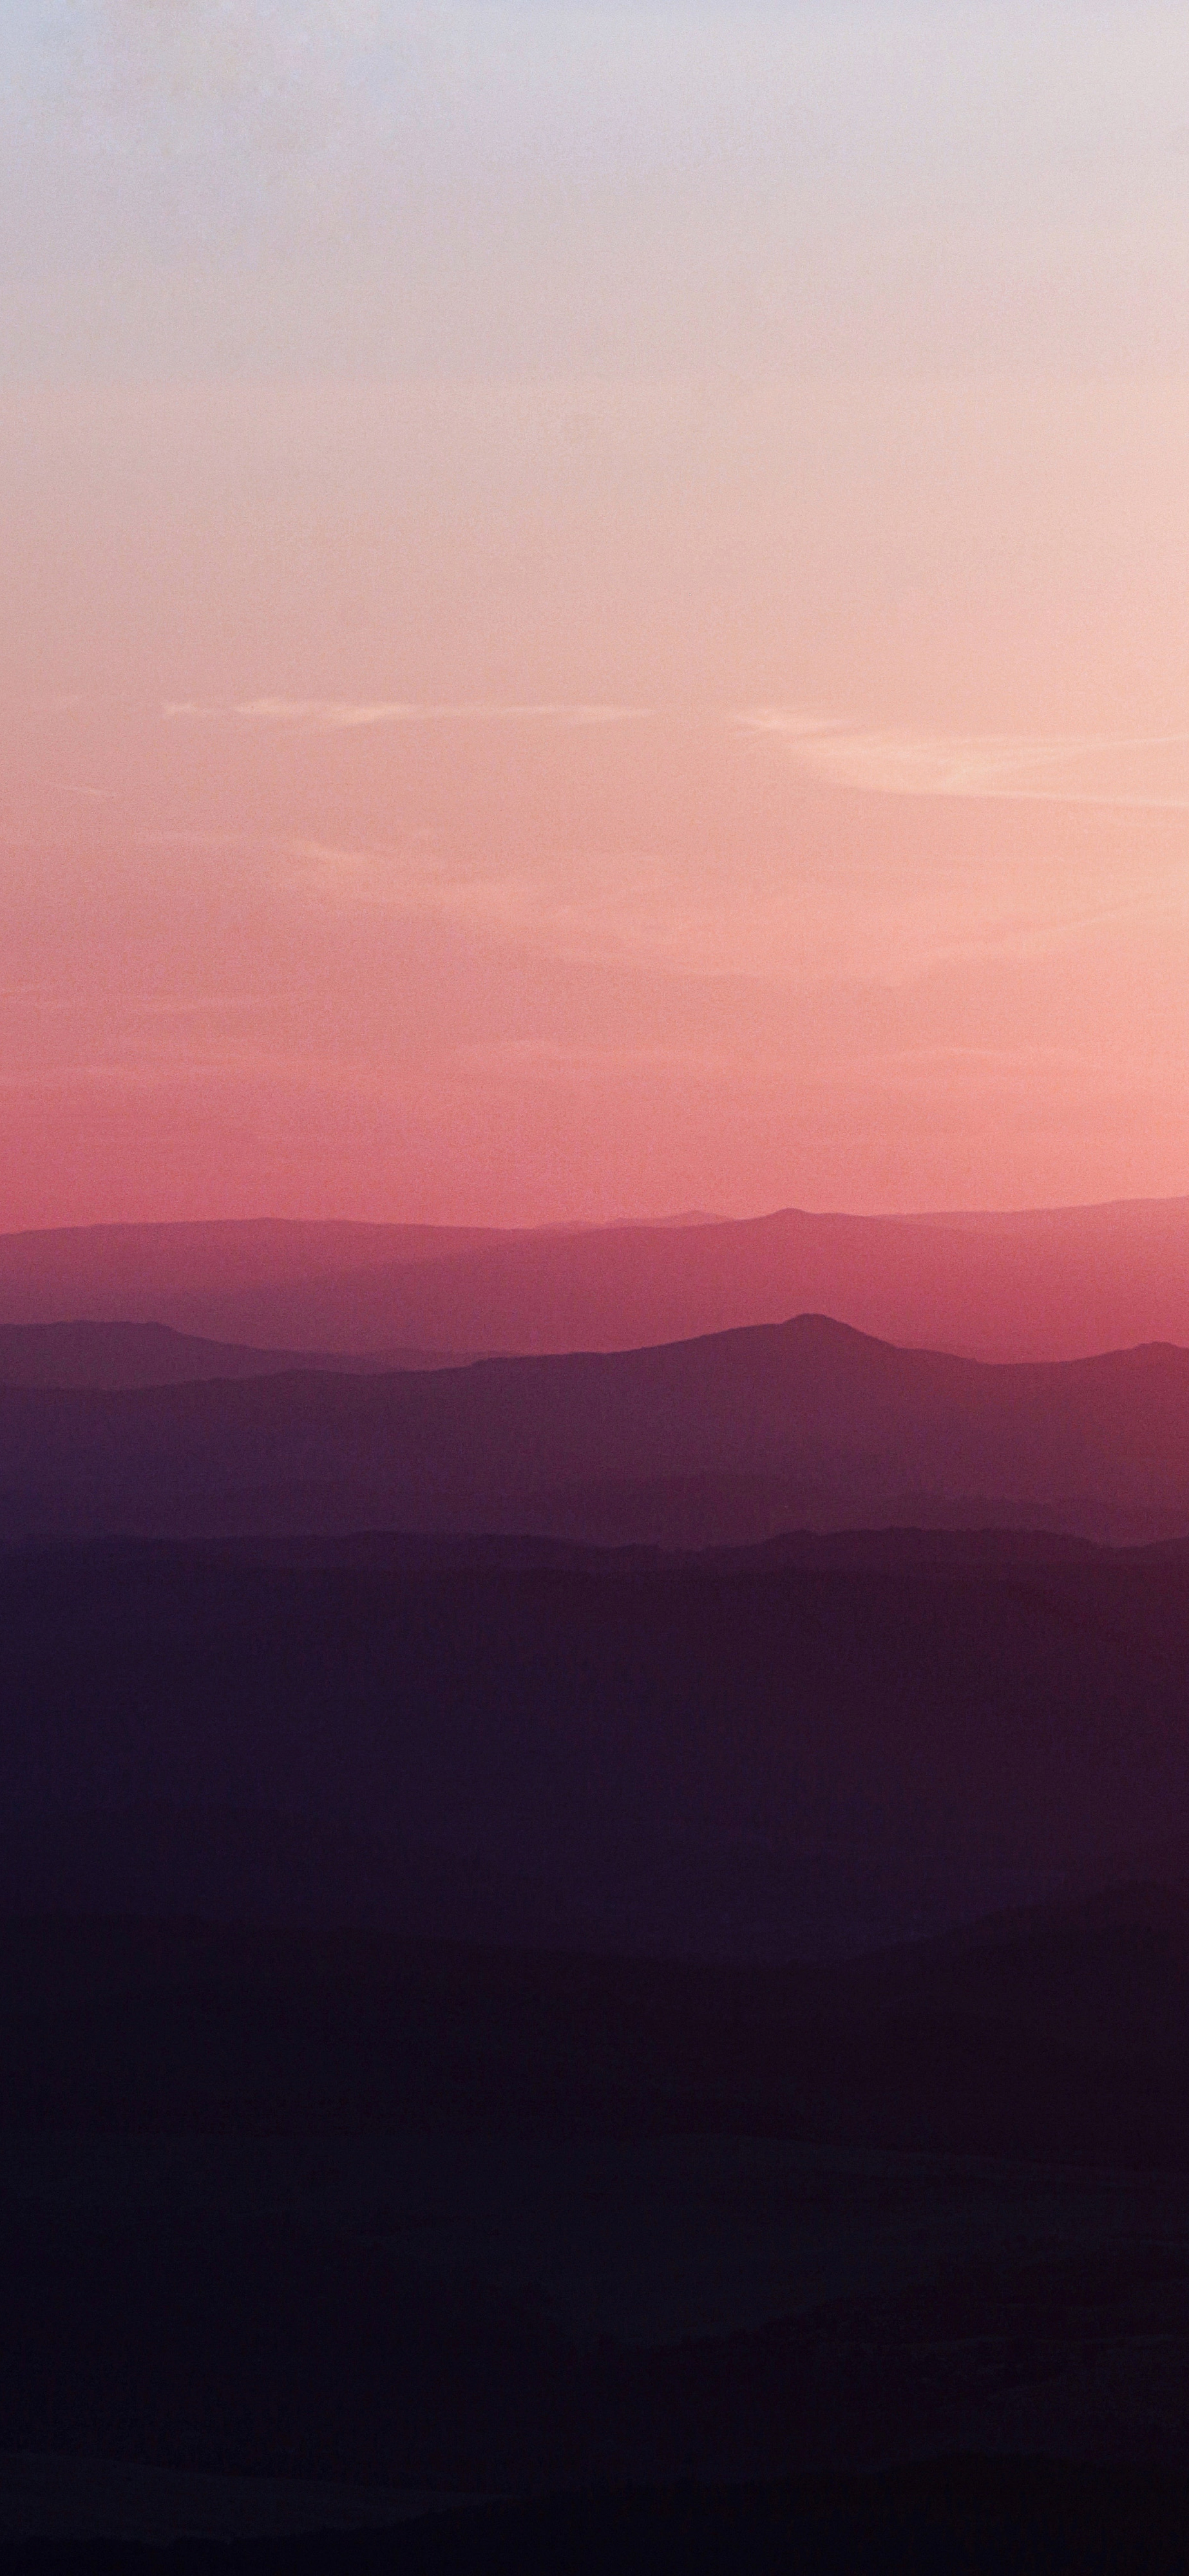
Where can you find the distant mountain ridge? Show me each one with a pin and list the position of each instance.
(840, 1423)
(1037, 1284)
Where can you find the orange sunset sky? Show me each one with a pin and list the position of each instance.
(596, 607)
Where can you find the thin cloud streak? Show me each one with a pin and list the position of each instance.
(1013, 768)
(182, 1006)
(341, 715)
(626, 907)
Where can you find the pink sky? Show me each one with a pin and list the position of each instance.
(595, 608)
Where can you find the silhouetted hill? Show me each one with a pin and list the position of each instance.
(1044, 1284)
(127, 1355)
(804, 1419)
(931, 2517)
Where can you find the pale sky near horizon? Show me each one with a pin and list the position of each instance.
(596, 607)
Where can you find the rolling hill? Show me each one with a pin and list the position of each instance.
(809, 1419)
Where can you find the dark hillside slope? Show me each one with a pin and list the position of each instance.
(332, 2206)
(737, 1762)
(1051, 2034)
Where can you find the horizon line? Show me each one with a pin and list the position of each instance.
(692, 1220)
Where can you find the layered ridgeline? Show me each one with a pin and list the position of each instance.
(1048, 1284)
(715, 1441)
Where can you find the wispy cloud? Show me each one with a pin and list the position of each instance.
(621, 907)
(345, 715)
(609, 907)
(577, 908)
(546, 1057)
(874, 917)
(1146, 771)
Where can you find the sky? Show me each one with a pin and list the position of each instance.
(596, 607)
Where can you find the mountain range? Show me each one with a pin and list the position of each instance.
(1056, 1283)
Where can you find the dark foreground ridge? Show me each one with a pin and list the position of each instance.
(953, 2517)
(442, 2222)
